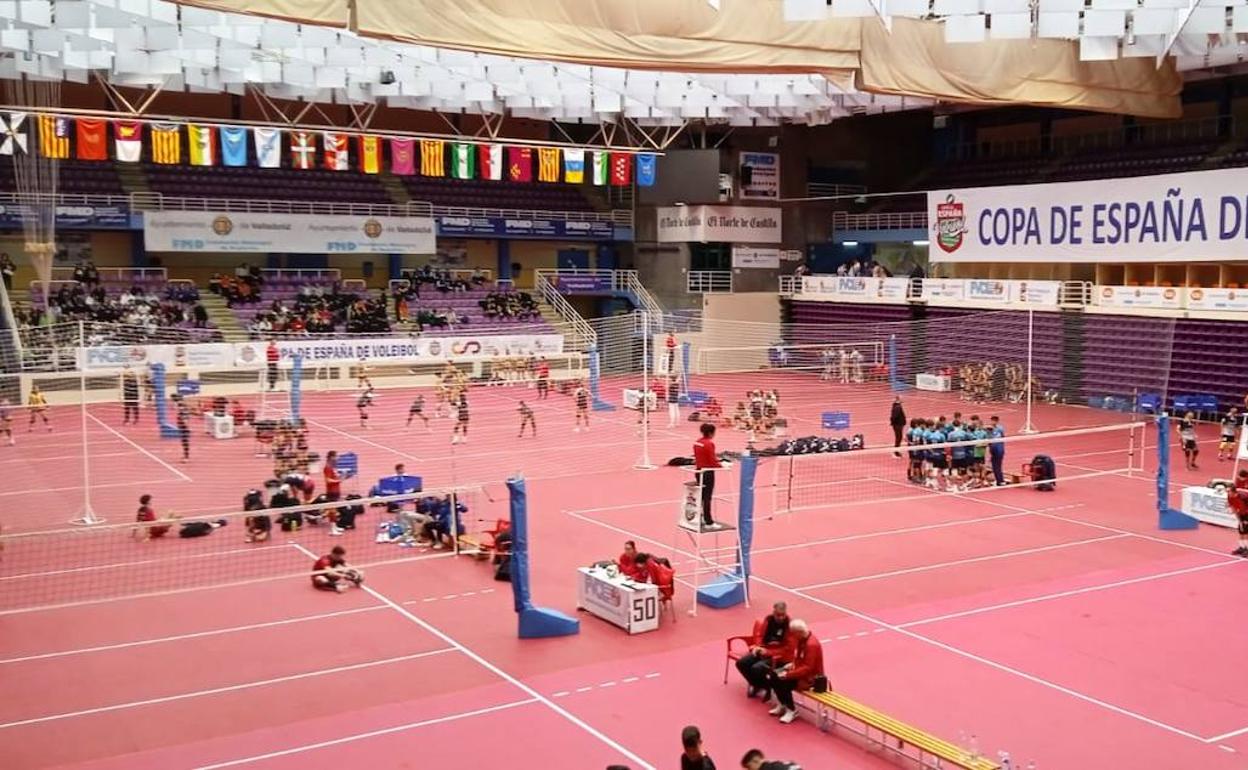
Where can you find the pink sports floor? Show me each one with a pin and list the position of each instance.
(1063, 626)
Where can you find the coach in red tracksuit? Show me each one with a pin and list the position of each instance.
(705, 461)
(807, 663)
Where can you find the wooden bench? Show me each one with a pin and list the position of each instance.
(931, 751)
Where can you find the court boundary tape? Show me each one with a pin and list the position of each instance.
(499, 672)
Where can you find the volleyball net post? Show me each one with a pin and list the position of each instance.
(595, 391)
(160, 395)
(296, 386)
(1168, 518)
(534, 622)
(731, 587)
(895, 381)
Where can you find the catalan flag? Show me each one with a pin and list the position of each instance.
(53, 136)
(548, 164)
(432, 158)
(166, 143)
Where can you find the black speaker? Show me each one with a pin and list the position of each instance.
(747, 174)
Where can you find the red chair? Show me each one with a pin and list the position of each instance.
(732, 655)
(665, 579)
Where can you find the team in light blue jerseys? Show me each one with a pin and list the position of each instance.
(962, 463)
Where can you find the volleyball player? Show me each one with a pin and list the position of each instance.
(129, 397)
(459, 434)
(979, 453)
(1187, 436)
(184, 429)
(37, 403)
(363, 403)
(960, 456)
(582, 408)
(6, 420)
(1226, 443)
(526, 418)
(1237, 501)
(417, 409)
(937, 460)
(914, 437)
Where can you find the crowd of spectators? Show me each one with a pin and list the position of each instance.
(320, 310)
(869, 269)
(510, 304)
(440, 280)
(239, 289)
(136, 306)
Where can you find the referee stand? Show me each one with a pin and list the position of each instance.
(718, 572)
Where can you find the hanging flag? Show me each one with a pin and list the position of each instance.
(520, 164)
(490, 159)
(574, 166)
(432, 158)
(13, 134)
(621, 168)
(53, 136)
(128, 141)
(646, 167)
(403, 156)
(302, 149)
(548, 164)
(600, 168)
(268, 144)
(337, 157)
(233, 145)
(370, 154)
(202, 143)
(464, 161)
(166, 143)
(91, 142)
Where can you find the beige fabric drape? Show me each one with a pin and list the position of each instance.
(326, 13)
(915, 60)
(745, 36)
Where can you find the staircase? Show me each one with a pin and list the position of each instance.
(223, 318)
(394, 188)
(132, 178)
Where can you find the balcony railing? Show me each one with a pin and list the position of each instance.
(708, 282)
(883, 220)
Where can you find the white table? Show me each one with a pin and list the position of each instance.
(219, 426)
(932, 382)
(633, 607)
(1207, 505)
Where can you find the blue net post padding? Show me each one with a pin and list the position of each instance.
(595, 397)
(1167, 517)
(895, 381)
(535, 622)
(685, 388)
(296, 386)
(167, 429)
(731, 590)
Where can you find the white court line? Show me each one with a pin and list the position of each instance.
(229, 688)
(194, 635)
(1224, 736)
(958, 562)
(924, 639)
(367, 735)
(127, 439)
(31, 459)
(363, 440)
(127, 564)
(886, 532)
(76, 487)
(532, 693)
(1071, 592)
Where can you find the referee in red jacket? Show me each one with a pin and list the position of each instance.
(705, 461)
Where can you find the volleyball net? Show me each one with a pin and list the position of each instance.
(824, 480)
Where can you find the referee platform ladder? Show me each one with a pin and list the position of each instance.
(715, 571)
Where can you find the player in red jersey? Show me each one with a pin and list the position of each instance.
(705, 461)
(1237, 501)
(331, 573)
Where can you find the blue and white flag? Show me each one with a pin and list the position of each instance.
(646, 163)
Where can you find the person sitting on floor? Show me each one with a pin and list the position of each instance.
(768, 645)
(331, 573)
(806, 663)
(146, 514)
(755, 760)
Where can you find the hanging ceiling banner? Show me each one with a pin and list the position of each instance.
(219, 231)
(1196, 216)
(718, 224)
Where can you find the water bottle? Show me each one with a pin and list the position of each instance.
(1003, 758)
(974, 746)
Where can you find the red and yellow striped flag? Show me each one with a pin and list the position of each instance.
(53, 136)
(166, 143)
(432, 158)
(548, 164)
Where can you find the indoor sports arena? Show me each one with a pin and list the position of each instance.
(623, 384)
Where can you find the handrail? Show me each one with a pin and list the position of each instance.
(790, 285)
(708, 282)
(619, 280)
(120, 273)
(833, 189)
(332, 273)
(551, 296)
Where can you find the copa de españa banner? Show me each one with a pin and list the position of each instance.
(228, 231)
(1199, 215)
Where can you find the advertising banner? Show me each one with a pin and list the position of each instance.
(12, 216)
(401, 349)
(1193, 216)
(945, 289)
(763, 175)
(581, 284)
(995, 292)
(718, 224)
(1046, 293)
(1154, 297)
(208, 231)
(756, 257)
(1217, 299)
(214, 355)
(498, 227)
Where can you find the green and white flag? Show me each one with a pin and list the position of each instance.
(464, 161)
(601, 163)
